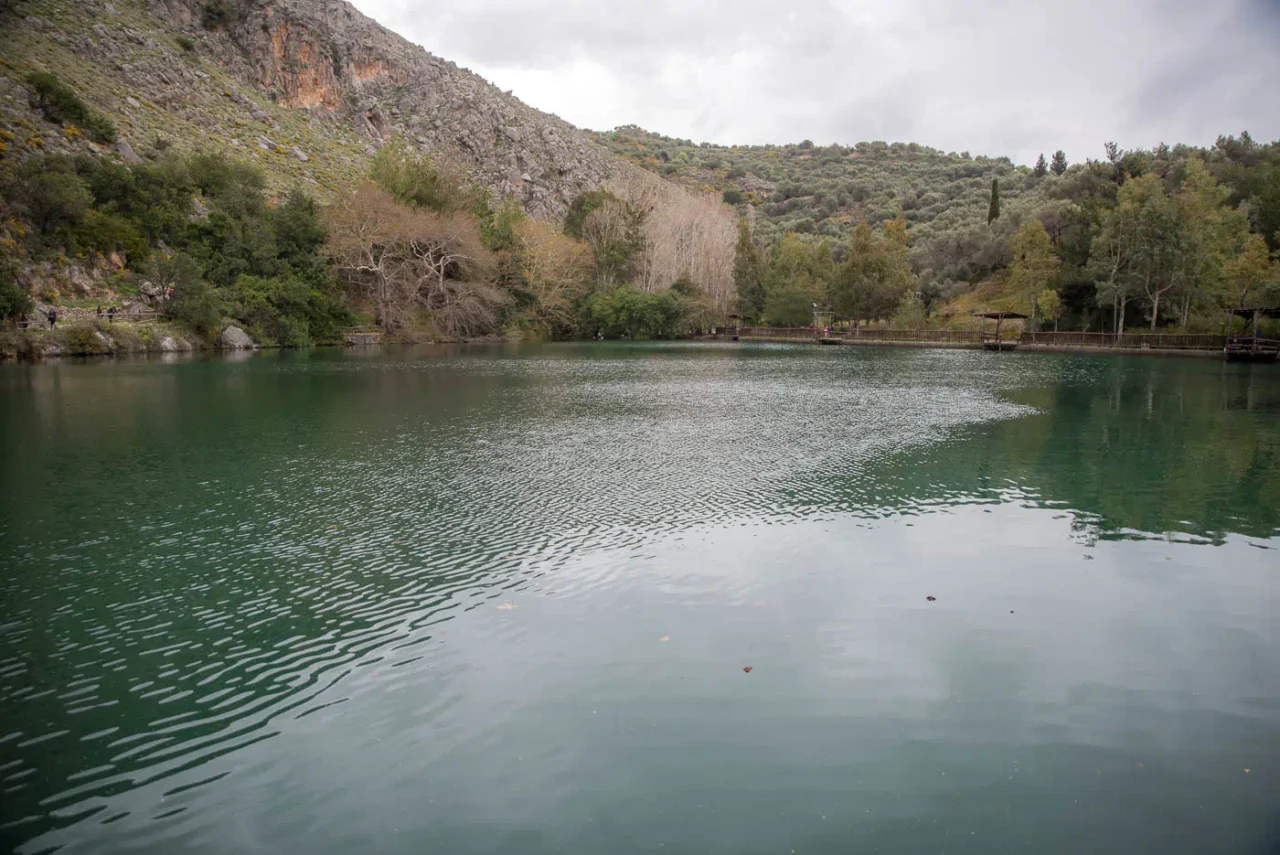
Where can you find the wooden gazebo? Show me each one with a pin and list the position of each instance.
(1252, 347)
(994, 341)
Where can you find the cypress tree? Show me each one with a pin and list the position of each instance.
(1042, 168)
(1059, 164)
(993, 213)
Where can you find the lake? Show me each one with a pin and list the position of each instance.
(505, 599)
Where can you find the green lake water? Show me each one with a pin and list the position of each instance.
(501, 600)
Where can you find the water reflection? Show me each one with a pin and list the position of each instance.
(256, 604)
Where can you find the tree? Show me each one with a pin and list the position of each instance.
(1059, 164)
(993, 211)
(15, 300)
(196, 304)
(1207, 232)
(799, 276)
(1034, 264)
(875, 275)
(1042, 167)
(1252, 280)
(1156, 239)
(53, 198)
(748, 274)
(1049, 306)
(910, 312)
(405, 259)
(613, 231)
(555, 268)
(1110, 259)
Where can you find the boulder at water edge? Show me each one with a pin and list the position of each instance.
(234, 338)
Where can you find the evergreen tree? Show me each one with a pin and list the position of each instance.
(993, 213)
(1042, 167)
(1059, 164)
(748, 274)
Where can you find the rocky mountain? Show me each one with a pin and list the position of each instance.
(307, 89)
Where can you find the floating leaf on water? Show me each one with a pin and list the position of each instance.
(931, 598)
(506, 607)
(665, 638)
(746, 669)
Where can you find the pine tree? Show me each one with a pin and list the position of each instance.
(993, 213)
(1042, 167)
(1059, 164)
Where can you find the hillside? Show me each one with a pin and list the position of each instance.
(305, 89)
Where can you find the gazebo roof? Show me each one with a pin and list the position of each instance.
(999, 316)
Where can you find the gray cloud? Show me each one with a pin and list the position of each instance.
(999, 77)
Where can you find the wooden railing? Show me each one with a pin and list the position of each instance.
(1134, 341)
(931, 336)
(777, 332)
(1153, 341)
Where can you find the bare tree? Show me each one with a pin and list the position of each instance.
(405, 259)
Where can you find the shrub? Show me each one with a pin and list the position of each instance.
(195, 304)
(187, 43)
(732, 197)
(414, 180)
(60, 104)
(54, 199)
(627, 312)
(108, 233)
(15, 300)
(217, 13)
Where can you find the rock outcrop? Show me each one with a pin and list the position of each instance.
(348, 72)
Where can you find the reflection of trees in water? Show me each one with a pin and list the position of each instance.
(1150, 447)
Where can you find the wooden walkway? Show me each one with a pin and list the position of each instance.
(1155, 343)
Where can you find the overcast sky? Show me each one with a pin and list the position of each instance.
(996, 77)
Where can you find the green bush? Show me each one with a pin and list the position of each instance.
(195, 304)
(627, 312)
(15, 300)
(53, 199)
(217, 13)
(60, 104)
(732, 197)
(108, 233)
(187, 43)
(415, 180)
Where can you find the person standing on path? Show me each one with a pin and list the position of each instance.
(53, 318)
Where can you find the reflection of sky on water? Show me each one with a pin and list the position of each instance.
(297, 561)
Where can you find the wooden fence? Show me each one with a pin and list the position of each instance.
(1153, 341)
(925, 336)
(1135, 341)
(870, 335)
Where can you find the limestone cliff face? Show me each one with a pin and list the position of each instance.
(326, 58)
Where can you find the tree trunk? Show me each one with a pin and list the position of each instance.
(1155, 310)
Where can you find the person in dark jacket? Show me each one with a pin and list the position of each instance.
(53, 318)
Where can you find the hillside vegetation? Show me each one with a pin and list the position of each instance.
(1193, 233)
